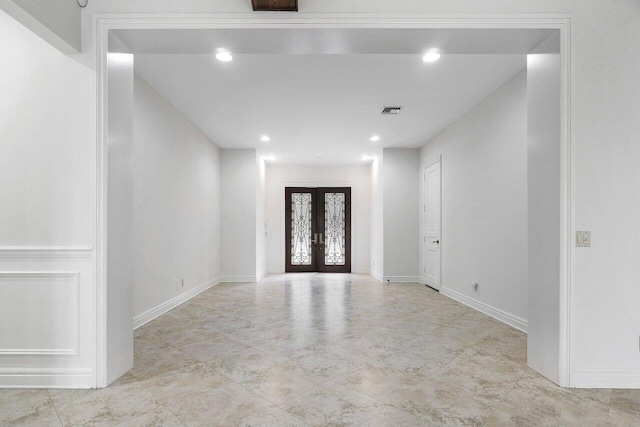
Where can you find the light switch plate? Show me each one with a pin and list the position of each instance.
(583, 239)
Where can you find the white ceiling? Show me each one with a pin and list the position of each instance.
(320, 108)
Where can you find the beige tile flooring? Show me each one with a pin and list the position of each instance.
(311, 349)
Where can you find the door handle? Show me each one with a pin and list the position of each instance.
(437, 242)
(315, 238)
(321, 241)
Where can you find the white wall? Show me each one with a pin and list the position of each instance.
(47, 213)
(484, 203)
(261, 217)
(176, 229)
(544, 159)
(377, 226)
(356, 177)
(400, 214)
(120, 237)
(604, 129)
(56, 21)
(238, 217)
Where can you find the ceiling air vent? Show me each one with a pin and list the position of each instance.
(391, 110)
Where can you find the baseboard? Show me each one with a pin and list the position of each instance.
(261, 275)
(46, 378)
(376, 275)
(161, 309)
(401, 279)
(238, 279)
(360, 271)
(605, 378)
(510, 319)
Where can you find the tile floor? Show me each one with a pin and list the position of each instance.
(311, 349)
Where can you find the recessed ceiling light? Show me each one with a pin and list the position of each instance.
(431, 56)
(366, 158)
(269, 158)
(223, 55)
(265, 138)
(375, 138)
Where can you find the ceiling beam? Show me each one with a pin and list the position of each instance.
(275, 5)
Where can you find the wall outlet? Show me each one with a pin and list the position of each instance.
(583, 239)
(474, 285)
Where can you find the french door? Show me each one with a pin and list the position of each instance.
(318, 229)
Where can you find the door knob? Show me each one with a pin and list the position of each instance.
(437, 242)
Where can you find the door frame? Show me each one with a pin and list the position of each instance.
(283, 221)
(437, 160)
(103, 23)
(288, 213)
(322, 268)
(318, 217)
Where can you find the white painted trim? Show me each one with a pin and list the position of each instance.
(238, 279)
(159, 310)
(102, 23)
(46, 378)
(376, 275)
(46, 251)
(567, 212)
(101, 37)
(606, 378)
(423, 213)
(260, 276)
(75, 275)
(501, 315)
(401, 279)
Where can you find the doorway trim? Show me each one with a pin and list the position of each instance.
(283, 221)
(103, 23)
(423, 243)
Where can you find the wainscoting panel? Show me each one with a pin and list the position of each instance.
(47, 317)
(46, 304)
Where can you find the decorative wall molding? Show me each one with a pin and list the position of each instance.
(103, 23)
(401, 279)
(376, 275)
(47, 378)
(38, 352)
(161, 309)
(501, 315)
(238, 279)
(605, 378)
(52, 351)
(46, 252)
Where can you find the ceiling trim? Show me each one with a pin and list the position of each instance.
(103, 23)
(312, 20)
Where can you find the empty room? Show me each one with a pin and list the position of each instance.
(272, 213)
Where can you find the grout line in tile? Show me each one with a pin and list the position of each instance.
(505, 396)
(54, 407)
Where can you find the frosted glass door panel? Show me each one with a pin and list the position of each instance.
(301, 217)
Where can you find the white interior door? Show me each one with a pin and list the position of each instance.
(433, 224)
